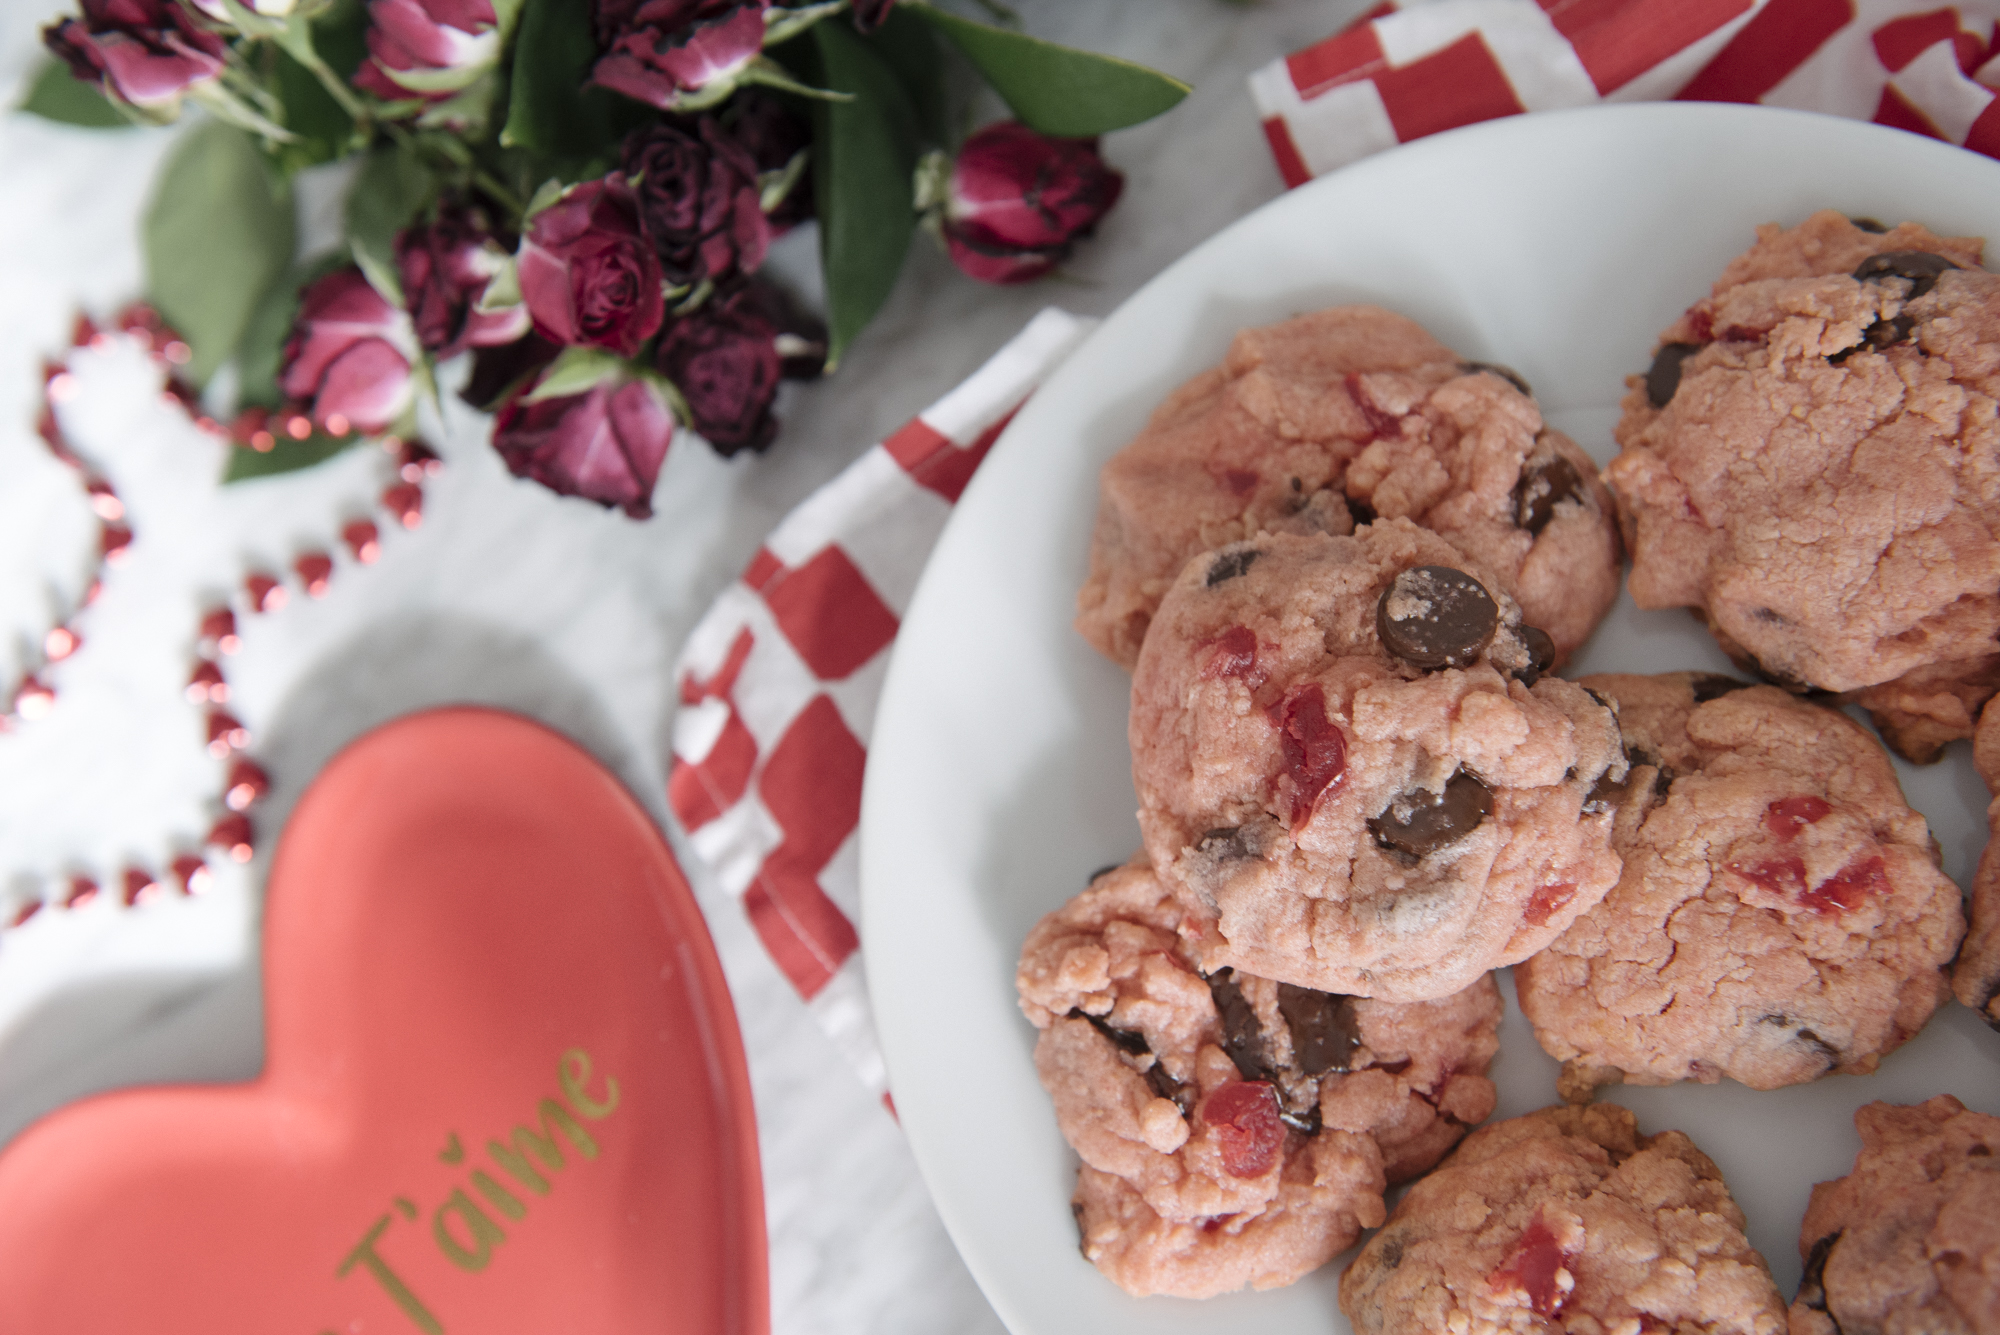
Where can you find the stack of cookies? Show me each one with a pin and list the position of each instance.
(1344, 568)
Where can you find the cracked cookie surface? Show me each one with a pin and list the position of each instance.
(1909, 1242)
(1344, 795)
(1233, 1132)
(1975, 980)
(1813, 464)
(1332, 419)
(1781, 915)
(1565, 1220)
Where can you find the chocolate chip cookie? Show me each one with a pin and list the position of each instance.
(1781, 915)
(1352, 771)
(1910, 1240)
(1333, 419)
(1976, 979)
(1813, 464)
(1233, 1131)
(1566, 1219)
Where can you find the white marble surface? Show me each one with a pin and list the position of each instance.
(505, 594)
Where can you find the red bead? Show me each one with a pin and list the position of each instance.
(247, 783)
(90, 594)
(104, 501)
(266, 594)
(34, 698)
(178, 391)
(232, 835)
(81, 891)
(363, 539)
(193, 874)
(315, 572)
(26, 911)
(140, 887)
(218, 628)
(83, 332)
(207, 686)
(60, 643)
(416, 461)
(405, 501)
(225, 734)
(113, 541)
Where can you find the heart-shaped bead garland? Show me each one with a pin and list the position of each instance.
(34, 696)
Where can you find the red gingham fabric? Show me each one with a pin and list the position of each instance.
(1408, 68)
(778, 683)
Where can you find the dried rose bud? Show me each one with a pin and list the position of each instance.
(698, 200)
(774, 135)
(604, 444)
(427, 49)
(349, 355)
(1017, 201)
(724, 360)
(588, 276)
(146, 52)
(665, 52)
(445, 268)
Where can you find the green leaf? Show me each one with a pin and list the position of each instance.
(911, 49)
(286, 455)
(217, 233)
(391, 188)
(1053, 89)
(864, 152)
(578, 370)
(263, 344)
(552, 110)
(323, 127)
(55, 94)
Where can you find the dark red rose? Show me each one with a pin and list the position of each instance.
(588, 276)
(698, 200)
(871, 14)
(144, 51)
(429, 49)
(773, 134)
(661, 51)
(445, 268)
(349, 355)
(1018, 201)
(605, 444)
(724, 360)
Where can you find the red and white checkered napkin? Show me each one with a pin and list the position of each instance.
(778, 682)
(1408, 68)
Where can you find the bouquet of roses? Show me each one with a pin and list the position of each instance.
(578, 193)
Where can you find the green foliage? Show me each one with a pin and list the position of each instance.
(55, 94)
(552, 110)
(262, 346)
(285, 456)
(1054, 89)
(865, 151)
(391, 188)
(218, 233)
(910, 48)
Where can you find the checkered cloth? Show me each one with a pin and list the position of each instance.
(1409, 68)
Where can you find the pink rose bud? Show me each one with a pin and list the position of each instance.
(429, 49)
(587, 274)
(349, 355)
(605, 444)
(445, 269)
(1018, 201)
(698, 200)
(143, 51)
(662, 51)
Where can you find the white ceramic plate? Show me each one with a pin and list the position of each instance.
(998, 779)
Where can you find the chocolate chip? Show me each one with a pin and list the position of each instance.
(1663, 782)
(1173, 1091)
(1434, 822)
(1770, 616)
(1224, 845)
(1229, 565)
(1663, 378)
(1826, 1049)
(1506, 373)
(1869, 225)
(1391, 1254)
(1306, 1123)
(1324, 1030)
(1541, 655)
(1713, 686)
(1980, 1152)
(1362, 512)
(1242, 1033)
(1436, 617)
(1921, 267)
(1542, 487)
(1606, 794)
(1878, 337)
(1812, 1284)
(1122, 1039)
